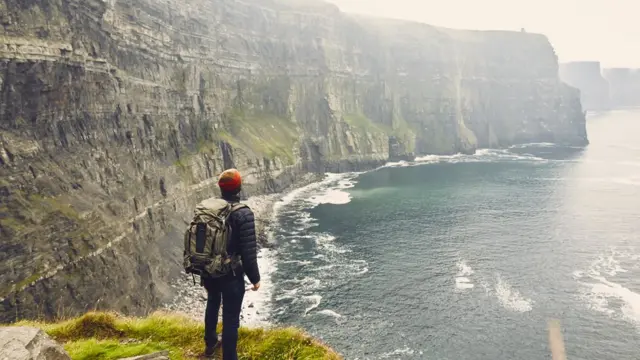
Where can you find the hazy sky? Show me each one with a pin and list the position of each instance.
(604, 30)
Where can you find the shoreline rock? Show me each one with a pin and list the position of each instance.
(28, 343)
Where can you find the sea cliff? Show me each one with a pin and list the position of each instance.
(117, 115)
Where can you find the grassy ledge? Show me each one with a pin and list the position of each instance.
(99, 335)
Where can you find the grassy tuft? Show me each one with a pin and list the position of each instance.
(98, 335)
(108, 349)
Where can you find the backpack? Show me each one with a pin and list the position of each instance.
(206, 237)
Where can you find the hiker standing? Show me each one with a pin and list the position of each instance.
(220, 246)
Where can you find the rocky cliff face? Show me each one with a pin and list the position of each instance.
(624, 85)
(587, 77)
(116, 116)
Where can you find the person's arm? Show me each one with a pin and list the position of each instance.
(248, 247)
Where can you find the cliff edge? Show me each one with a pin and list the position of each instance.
(96, 335)
(117, 115)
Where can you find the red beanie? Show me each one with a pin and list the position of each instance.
(230, 180)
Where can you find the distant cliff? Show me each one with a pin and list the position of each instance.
(587, 77)
(116, 116)
(624, 86)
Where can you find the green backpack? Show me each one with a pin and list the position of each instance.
(205, 240)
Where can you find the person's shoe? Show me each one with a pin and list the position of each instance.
(209, 351)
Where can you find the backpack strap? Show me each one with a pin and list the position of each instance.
(237, 206)
(230, 210)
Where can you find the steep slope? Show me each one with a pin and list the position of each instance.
(116, 116)
(587, 77)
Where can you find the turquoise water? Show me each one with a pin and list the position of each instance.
(467, 257)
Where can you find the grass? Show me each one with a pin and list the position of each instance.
(400, 129)
(262, 133)
(361, 122)
(99, 335)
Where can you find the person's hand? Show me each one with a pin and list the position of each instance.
(255, 287)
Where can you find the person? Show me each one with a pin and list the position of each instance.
(230, 288)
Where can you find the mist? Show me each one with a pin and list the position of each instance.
(596, 30)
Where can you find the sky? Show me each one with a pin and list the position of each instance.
(580, 30)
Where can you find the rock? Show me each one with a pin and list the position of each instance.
(26, 343)
(162, 355)
(624, 85)
(587, 76)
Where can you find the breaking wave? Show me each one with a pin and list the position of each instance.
(399, 353)
(327, 261)
(603, 289)
(510, 298)
(462, 280)
(481, 155)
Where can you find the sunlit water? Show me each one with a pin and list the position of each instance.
(467, 257)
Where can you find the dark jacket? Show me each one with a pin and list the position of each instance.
(243, 240)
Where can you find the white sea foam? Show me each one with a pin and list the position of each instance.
(481, 155)
(541, 145)
(305, 283)
(465, 270)
(258, 313)
(578, 274)
(402, 163)
(605, 295)
(464, 283)
(398, 352)
(603, 291)
(331, 196)
(335, 193)
(462, 280)
(429, 158)
(609, 265)
(314, 300)
(510, 298)
(325, 258)
(299, 262)
(331, 313)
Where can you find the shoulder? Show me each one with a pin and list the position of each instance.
(244, 213)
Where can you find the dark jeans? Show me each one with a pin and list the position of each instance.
(231, 290)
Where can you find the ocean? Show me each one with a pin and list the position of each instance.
(469, 256)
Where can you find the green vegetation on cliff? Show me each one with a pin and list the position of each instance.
(262, 133)
(360, 122)
(104, 336)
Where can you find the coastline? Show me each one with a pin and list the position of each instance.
(191, 299)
